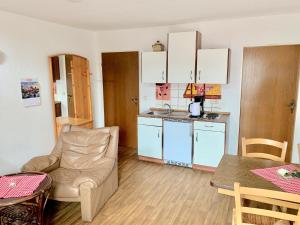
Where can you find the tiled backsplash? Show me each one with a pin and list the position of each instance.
(177, 100)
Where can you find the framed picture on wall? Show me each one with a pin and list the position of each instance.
(30, 89)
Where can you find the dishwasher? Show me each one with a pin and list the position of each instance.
(177, 139)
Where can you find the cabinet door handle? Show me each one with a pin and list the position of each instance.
(191, 75)
(196, 136)
(209, 126)
(158, 134)
(163, 75)
(199, 75)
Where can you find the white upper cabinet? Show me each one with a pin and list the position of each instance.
(154, 66)
(212, 66)
(182, 50)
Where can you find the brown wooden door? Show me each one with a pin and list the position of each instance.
(269, 86)
(121, 90)
(81, 87)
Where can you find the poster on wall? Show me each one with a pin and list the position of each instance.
(30, 89)
(163, 91)
(211, 91)
(193, 90)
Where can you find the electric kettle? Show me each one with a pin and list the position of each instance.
(194, 109)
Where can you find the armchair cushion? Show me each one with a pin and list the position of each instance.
(83, 149)
(96, 176)
(67, 182)
(42, 163)
(62, 183)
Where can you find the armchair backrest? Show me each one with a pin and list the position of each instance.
(111, 150)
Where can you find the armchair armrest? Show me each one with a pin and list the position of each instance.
(94, 177)
(44, 163)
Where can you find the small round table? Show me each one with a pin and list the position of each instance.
(29, 209)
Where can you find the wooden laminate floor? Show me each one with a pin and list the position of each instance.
(152, 194)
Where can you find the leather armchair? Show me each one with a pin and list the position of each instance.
(83, 166)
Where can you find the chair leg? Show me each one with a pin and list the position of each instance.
(233, 217)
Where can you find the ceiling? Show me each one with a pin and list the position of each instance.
(118, 14)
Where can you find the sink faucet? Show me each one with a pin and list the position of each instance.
(169, 108)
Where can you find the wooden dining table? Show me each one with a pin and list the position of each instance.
(234, 168)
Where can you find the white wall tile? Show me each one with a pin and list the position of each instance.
(174, 93)
(174, 86)
(174, 101)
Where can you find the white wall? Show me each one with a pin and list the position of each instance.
(232, 33)
(25, 45)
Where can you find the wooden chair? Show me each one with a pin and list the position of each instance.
(262, 141)
(242, 215)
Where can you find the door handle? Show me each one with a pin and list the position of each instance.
(135, 100)
(199, 75)
(292, 105)
(196, 136)
(163, 75)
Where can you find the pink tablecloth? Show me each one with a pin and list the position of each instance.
(291, 185)
(19, 186)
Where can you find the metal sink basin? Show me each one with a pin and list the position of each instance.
(166, 113)
(158, 113)
(178, 113)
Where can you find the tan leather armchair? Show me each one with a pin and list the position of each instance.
(83, 166)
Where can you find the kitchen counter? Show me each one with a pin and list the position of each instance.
(222, 119)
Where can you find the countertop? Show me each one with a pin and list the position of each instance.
(222, 119)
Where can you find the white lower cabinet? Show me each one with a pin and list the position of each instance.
(150, 137)
(209, 143)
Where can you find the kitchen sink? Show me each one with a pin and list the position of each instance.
(179, 113)
(158, 113)
(166, 113)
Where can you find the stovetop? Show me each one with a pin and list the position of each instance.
(208, 116)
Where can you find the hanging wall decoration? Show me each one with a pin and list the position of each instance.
(193, 90)
(30, 89)
(212, 91)
(163, 91)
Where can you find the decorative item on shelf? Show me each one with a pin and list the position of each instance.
(158, 47)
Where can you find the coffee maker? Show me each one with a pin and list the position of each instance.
(196, 108)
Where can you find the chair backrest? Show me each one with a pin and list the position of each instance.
(112, 149)
(262, 141)
(277, 198)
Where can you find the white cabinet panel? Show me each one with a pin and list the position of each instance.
(209, 144)
(209, 126)
(182, 47)
(150, 141)
(150, 121)
(212, 66)
(154, 66)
